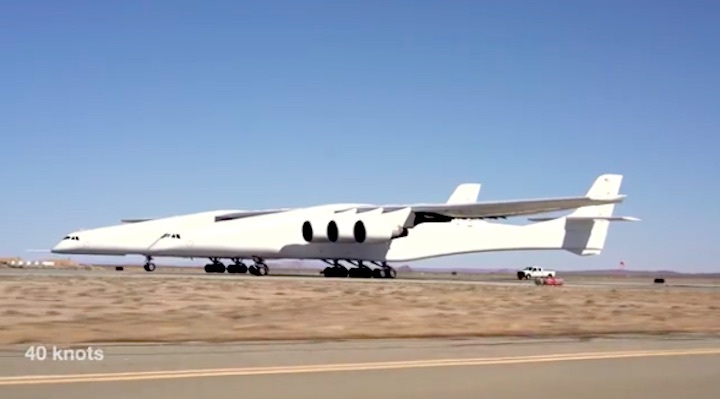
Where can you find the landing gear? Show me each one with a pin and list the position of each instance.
(385, 271)
(259, 268)
(335, 269)
(215, 267)
(237, 267)
(359, 271)
(149, 265)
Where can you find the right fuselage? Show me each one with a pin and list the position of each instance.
(283, 236)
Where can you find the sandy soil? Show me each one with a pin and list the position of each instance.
(66, 310)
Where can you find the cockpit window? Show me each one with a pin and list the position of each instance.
(72, 238)
(173, 236)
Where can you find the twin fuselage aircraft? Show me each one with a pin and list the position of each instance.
(364, 237)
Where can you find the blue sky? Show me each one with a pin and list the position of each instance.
(128, 109)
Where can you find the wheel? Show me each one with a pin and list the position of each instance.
(328, 272)
(242, 269)
(262, 270)
(219, 268)
(149, 267)
(389, 273)
(342, 272)
(232, 269)
(377, 273)
(366, 272)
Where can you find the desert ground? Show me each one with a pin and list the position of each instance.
(84, 309)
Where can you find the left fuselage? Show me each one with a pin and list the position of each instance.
(130, 238)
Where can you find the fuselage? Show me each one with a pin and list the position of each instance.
(131, 238)
(280, 236)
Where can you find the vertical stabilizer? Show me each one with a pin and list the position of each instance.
(586, 228)
(605, 186)
(465, 193)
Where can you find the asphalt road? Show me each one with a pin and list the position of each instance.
(426, 369)
(428, 279)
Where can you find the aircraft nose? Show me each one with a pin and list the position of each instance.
(64, 247)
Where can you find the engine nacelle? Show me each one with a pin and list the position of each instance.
(376, 231)
(377, 227)
(315, 232)
(341, 231)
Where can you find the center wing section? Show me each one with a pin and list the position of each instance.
(246, 214)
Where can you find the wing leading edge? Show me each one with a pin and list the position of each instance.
(604, 190)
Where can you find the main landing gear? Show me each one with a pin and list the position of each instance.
(149, 265)
(359, 271)
(259, 268)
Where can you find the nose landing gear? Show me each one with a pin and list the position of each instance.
(149, 265)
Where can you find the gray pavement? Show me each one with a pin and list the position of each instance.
(428, 279)
(617, 367)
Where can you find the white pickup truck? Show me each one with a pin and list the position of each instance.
(534, 272)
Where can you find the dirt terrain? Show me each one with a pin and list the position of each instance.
(81, 309)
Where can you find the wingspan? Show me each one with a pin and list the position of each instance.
(605, 190)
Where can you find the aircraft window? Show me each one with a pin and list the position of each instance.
(66, 238)
(166, 235)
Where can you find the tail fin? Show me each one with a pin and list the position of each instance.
(587, 227)
(465, 193)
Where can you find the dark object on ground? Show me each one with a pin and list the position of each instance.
(659, 281)
(119, 268)
(454, 273)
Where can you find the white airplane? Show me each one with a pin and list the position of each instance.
(378, 234)
(136, 236)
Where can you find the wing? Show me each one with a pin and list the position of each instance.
(135, 220)
(499, 209)
(220, 216)
(245, 214)
(604, 190)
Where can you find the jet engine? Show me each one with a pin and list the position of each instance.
(376, 227)
(311, 233)
(376, 231)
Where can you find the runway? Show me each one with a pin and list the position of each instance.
(624, 367)
(429, 279)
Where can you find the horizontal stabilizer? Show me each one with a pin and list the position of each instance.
(608, 218)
